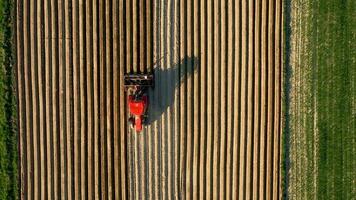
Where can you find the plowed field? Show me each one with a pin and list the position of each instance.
(215, 111)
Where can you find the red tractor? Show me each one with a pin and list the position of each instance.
(137, 86)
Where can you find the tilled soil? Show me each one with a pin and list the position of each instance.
(215, 112)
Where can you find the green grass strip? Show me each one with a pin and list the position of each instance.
(323, 110)
(335, 55)
(8, 133)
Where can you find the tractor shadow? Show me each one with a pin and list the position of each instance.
(168, 81)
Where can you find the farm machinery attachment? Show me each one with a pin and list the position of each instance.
(136, 86)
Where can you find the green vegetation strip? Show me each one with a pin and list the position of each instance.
(323, 100)
(8, 133)
(336, 95)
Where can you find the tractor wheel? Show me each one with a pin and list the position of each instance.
(132, 122)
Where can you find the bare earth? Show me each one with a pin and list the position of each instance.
(215, 113)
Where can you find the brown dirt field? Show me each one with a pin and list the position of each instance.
(215, 111)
